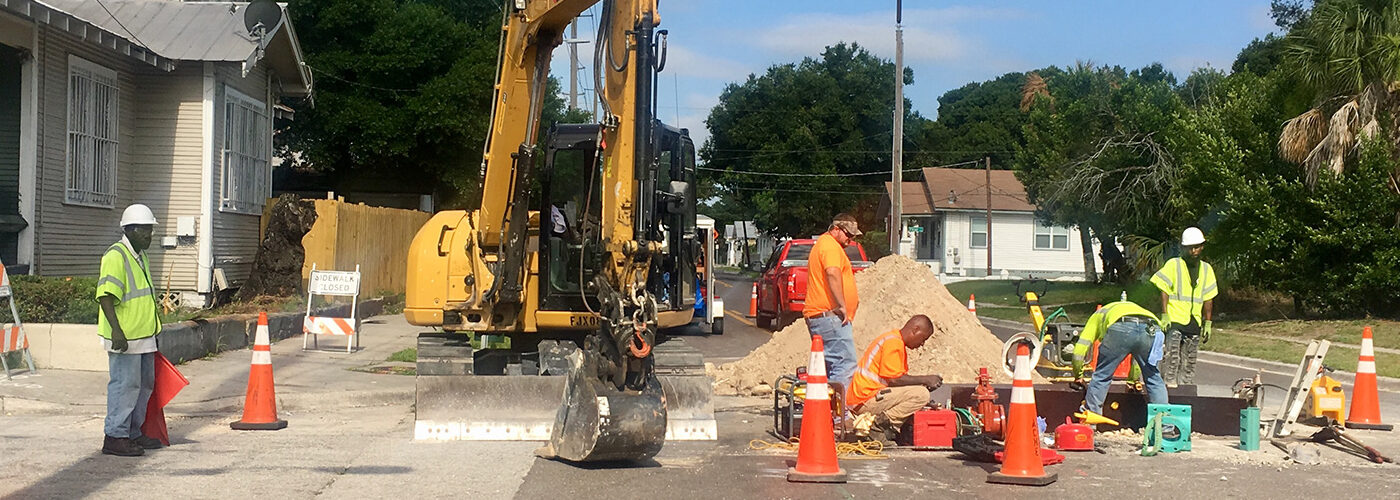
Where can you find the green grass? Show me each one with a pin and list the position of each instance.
(409, 355)
(1341, 358)
(998, 299)
(1385, 333)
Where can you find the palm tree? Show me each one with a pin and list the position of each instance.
(1348, 52)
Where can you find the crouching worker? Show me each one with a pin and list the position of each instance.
(883, 394)
(1121, 328)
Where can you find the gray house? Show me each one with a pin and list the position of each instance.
(167, 103)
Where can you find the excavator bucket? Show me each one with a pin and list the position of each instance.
(456, 406)
(599, 423)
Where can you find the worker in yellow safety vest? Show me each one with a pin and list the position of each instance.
(128, 325)
(1188, 288)
(1121, 328)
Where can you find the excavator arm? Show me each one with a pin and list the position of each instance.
(613, 408)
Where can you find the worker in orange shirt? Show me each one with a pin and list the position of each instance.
(883, 394)
(831, 298)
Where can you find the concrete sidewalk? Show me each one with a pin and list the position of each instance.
(304, 379)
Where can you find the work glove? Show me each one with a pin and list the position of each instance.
(1164, 322)
(1205, 333)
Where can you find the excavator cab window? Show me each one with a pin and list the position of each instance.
(674, 277)
(566, 225)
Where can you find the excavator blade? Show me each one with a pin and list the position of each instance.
(599, 423)
(459, 406)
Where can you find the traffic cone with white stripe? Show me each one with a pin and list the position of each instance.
(1365, 399)
(816, 451)
(972, 303)
(260, 404)
(753, 301)
(1022, 464)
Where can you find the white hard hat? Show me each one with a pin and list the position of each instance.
(1192, 236)
(138, 214)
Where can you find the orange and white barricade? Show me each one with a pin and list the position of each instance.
(332, 284)
(12, 335)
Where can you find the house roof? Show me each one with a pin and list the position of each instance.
(963, 189)
(915, 198)
(197, 31)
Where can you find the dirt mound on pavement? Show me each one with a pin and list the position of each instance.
(893, 290)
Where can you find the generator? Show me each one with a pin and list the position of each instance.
(789, 393)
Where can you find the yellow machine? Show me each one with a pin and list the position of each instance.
(581, 249)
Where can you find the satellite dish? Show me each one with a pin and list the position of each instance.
(264, 12)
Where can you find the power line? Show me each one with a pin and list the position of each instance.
(358, 84)
(124, 28)
(817, 191)
(777, 174)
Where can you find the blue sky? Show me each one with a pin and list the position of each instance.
(947, 43)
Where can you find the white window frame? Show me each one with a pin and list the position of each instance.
(973, 232)
(1050, 232)
(94, 134)
(246, 175)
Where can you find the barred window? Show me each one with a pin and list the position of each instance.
(247, 151)
(93, 115)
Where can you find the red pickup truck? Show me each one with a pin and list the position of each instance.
(782, 288)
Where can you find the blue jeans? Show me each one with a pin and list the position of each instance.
(840, 345)
(1122, 339)
(133, 377)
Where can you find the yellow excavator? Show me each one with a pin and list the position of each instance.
(550, 294)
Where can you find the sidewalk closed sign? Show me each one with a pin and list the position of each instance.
(340, 283)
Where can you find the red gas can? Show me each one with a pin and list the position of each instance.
(935, 429)
(1074, 437)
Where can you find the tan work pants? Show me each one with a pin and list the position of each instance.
(898, 404)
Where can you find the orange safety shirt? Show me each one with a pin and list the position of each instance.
(883, 361)
(827, 252)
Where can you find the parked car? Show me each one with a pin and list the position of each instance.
(782, 286)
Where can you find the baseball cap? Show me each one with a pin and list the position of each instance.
(849, 226)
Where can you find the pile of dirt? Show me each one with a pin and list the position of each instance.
(893, 290)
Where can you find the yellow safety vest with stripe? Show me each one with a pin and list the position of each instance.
(1185, 302)
(128, 281)
(1098, 325)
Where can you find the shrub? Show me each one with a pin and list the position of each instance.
(53, 299)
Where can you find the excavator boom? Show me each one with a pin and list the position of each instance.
(579, 251)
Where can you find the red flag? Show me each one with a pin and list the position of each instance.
(169, 382)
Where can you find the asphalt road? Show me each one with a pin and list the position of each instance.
(730, 469)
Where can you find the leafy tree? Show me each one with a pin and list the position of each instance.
(403, 93)
(1289, 13)
(975, 121)
(1094, 155)
(1261, 56)
(805, 141)
(1348, 53)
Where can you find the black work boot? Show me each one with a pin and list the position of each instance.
(147, 442)
(121, 447)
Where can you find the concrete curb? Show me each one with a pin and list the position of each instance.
(229, 405)
(75, 347)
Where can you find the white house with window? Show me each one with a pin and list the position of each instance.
(165, 103)
(945, 226)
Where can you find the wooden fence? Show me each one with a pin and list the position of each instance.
(375, 238)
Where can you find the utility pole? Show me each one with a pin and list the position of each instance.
(573, 65)
(897, 160)
(989, 216)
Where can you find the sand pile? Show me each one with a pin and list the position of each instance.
(891, 291)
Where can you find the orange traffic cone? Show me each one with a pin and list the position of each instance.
(972, 303)
(1365, 400)
(1022, 464)
(753, 301)
(260, 405)
(816, 451)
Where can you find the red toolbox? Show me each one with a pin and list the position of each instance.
(935, 429)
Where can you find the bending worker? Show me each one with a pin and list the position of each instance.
(1121, 328)
(831, 298)
(1188, 292)
(882, 393)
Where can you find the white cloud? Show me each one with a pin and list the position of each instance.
(688, 63)
(930, 35)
